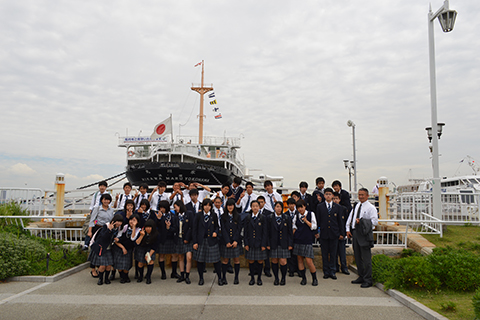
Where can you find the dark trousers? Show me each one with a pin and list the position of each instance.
(342, 255)
(292, 262)
(363, 258)
(329, 255)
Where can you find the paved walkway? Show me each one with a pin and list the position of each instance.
(79, 297)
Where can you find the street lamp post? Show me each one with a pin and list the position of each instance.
(349, 165)
(446, 18)
(350, 123)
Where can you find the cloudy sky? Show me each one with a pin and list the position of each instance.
(74, 75)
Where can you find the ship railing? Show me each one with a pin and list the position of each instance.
(31, 199)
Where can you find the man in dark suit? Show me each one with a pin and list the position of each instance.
(342, 255)
(268, 214)
(331, 225)
(344, 195)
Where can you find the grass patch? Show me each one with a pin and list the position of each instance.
(466, 237)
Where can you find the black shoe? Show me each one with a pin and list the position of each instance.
(187, 281)
(298, 274)
(358, 280)
(276, 282)
(366, 285)
(174, 276)
(201, 282)
(346, 272)
(252, 282)
(282, 282)
(107, 281)
(225, 282)
(315, 282)
(164, 276)
(334, 277)
(220, 282)
(268, 274)
(259, 282)
(127, 279)
(140, 279)
(204, 270)
(93, 275)
(236, 281)
(100, 281)
(181, 279)
(230, 269)
(123, 280)
(291, 274)
(304, 282)
(326, 276)
(148, 281)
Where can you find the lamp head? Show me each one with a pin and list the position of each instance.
(429, 133)
(345, 162)
(350, 123)
(440, 129)
(447, 20)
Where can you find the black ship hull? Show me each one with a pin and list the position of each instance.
(170, 172)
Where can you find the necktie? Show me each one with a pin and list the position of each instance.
(205, 218)
(231, 218)
(355, 216)
(248, 202)
(271, 202)
(180, 217)
(303, 197)
(254, 218)
(167, 216)
(279, 220)
(329, 208)
(292, 215)
(129, 233)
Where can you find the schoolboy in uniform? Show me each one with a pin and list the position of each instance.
(341, 253)
(142, 195)
(235, 189)
(256, 240)
(303, 186)
(223, 194)
(292, 262)
(344, 195)
(332, 228)
(270, 196)
(158, 194)
(121, 198)
(177, 194)
(245, 199)
(304, 228)
(317, 195)
(202, 194)
(295, 195)
(267, 213)
(194, 206)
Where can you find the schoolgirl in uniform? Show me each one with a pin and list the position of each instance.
(147, 244)
(100, 216)
(167, 225)
(230, 243)
(304, 228)
(255, 239)
(123, 248)
(280, 241)
(183, 240)
(101, 254)
(144, 213)
(128, 210)
(205, 241)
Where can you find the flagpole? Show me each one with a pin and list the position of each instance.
(201, 90)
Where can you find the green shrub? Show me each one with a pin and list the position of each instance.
(12, 208)
(413, 272)
(409, 253)
(476, 304)
(382, 268)
(17, 253)
(448, 306)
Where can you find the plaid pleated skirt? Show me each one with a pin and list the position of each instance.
(230, 253)
(140, 253)
(122, 261)
(255, 254)
(183, 248)
(303, 250)
(280, 253)
(167, 248)
(206, 254)
(106, 259)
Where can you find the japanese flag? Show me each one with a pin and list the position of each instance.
(162, 129)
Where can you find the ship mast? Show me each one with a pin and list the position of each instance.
(201, 90)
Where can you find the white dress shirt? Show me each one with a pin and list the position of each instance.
(156, 197)
(202, 194)
(314, 220)
(367, 211)
(243, 202)
(275, 197)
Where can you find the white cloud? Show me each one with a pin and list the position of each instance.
(22, 169)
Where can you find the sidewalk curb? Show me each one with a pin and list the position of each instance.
(410, 303)
(53, 278)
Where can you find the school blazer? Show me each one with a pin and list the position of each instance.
(345, 200)
(331, 225)
(199, 229)
(256, 232)
(165, 233)
(187, 227)
(189, 207)
(344, 215)
(230, 231)
(284, 230)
